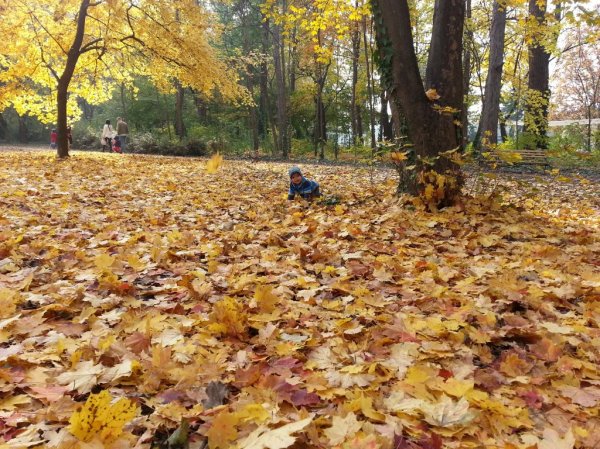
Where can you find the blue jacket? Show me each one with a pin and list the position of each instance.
(307, 189)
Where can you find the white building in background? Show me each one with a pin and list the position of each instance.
(580, 121)
(553, 124)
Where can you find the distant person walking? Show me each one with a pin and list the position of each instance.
(53, 138)
(69, 136)
(122, 132)
(107, 136)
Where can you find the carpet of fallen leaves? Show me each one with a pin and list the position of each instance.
(267, 324)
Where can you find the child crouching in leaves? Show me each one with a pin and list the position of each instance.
(299, 185)
(116, 145)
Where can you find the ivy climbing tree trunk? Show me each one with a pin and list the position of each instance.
(436, 176)
(538, 86)
(487, 132)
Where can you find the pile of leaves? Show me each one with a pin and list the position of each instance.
(142, 294)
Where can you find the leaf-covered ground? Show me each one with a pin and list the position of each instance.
(367, 324)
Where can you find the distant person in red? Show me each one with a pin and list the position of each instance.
(53, 138)
(117, 145)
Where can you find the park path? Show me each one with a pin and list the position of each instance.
(592, 174)
(25, 148)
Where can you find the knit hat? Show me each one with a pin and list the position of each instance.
(293, 170)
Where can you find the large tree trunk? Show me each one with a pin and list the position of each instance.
(180, 130)
(437, 177)
(65, 79)
(538, 89)
(487, 132)
(444, 66)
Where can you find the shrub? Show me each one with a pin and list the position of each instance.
(86, 139)
(147, 143)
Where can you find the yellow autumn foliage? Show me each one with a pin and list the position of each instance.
(38, 36)
(213, 164)
(228, 317)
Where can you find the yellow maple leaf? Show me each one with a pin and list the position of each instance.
(8, 298)
(265, 298)
(228, 317)
(364, 404)
(101, 418)
(253, 413)
(214, 163)
(223, 430)
(398, 156)
(103, 261)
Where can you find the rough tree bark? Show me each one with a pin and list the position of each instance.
(436, 177)
(538, 87)
(487, 132)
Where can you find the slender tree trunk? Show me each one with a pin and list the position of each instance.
(466, 79)
(538, 88)
(502, 121)
(369, 88)
(23, 135)
(167, 116)
(201, 107)
(65, 79)
(264, 110)
(487, 133)
(589, 129)
(123, 106)
(282, 112)
(180, 130)
(354, 112)
(293, 60)
(320, 131)
(436, 177)
(3, 128)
